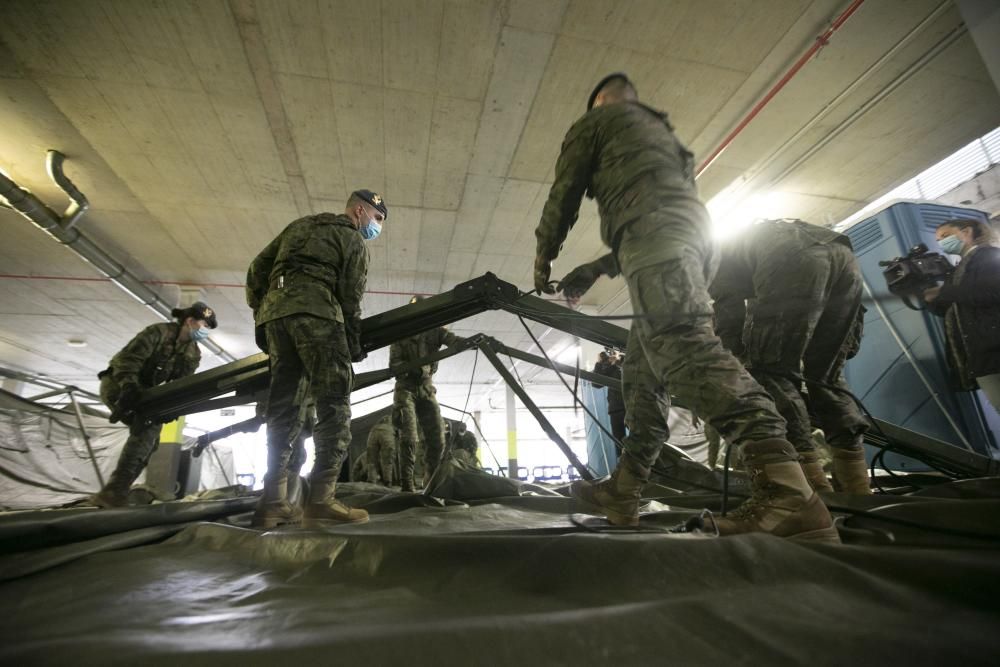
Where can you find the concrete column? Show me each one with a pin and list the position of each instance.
(478, 416)
(511, 434)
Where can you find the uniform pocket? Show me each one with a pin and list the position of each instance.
(675, 290)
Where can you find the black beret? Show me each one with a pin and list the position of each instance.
(605, 81)
(374, 199)
(200, 311)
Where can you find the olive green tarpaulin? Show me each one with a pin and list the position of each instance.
(502, 580)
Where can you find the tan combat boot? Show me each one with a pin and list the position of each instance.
(115, 492)
(782, 502)
(273, 508)
(851, 471)
(109, 497)
(812, 467)
(323, 510)
(617, 497)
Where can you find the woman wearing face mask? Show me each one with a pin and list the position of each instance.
(159, 353)
(969, 301)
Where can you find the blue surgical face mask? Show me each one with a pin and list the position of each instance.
(371, 230)
(951, 245)
(199, 334)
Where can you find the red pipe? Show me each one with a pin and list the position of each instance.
(80, 279)
(820, 42)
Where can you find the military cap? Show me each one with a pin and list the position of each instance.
(200, 311)
(605, 81)
(374, 199)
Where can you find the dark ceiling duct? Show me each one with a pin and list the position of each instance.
(63, 230)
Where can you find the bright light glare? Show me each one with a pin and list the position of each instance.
(732, 210)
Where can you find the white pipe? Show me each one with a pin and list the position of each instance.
(35, 210)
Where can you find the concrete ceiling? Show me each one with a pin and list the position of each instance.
(199, 128)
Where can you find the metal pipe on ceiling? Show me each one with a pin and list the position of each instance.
(904, 76)
(820, 42)
(32, 208)
(884, 59)
(78, 202)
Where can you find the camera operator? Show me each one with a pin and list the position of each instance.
(969, 302)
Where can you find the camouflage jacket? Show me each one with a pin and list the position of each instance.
(318, 265)
(467, 442)
(382, 430)
(627, 158)
(762, 244)
(154, 356)
(415, 347)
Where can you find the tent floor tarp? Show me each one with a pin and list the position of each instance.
(503, 580)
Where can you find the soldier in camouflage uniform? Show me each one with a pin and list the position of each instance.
(160, 353)
(380, 452)
(788, 298)
(464, 446)
(625, 155)
(305, 290)
(415, 402)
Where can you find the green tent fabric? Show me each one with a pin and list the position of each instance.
(511, 579)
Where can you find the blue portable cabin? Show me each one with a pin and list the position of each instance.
(901, 372)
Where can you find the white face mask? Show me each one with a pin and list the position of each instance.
(952, 245)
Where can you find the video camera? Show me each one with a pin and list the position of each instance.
(919, 270)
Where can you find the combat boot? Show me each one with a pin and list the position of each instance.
(324, 510)
(781, 503)
(112, 495)
(617, 497)
(851, 471)
(812, 467)
(115, 492)
(273, 508)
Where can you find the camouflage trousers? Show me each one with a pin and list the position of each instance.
(416, 409)
(312, 348)
(673, 349)
(381, 458)
(808, 325)
(466, 457)
(143, 439)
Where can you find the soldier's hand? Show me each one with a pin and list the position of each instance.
(128, 399)
(543, 270)
(579, 280)
(357, 353)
